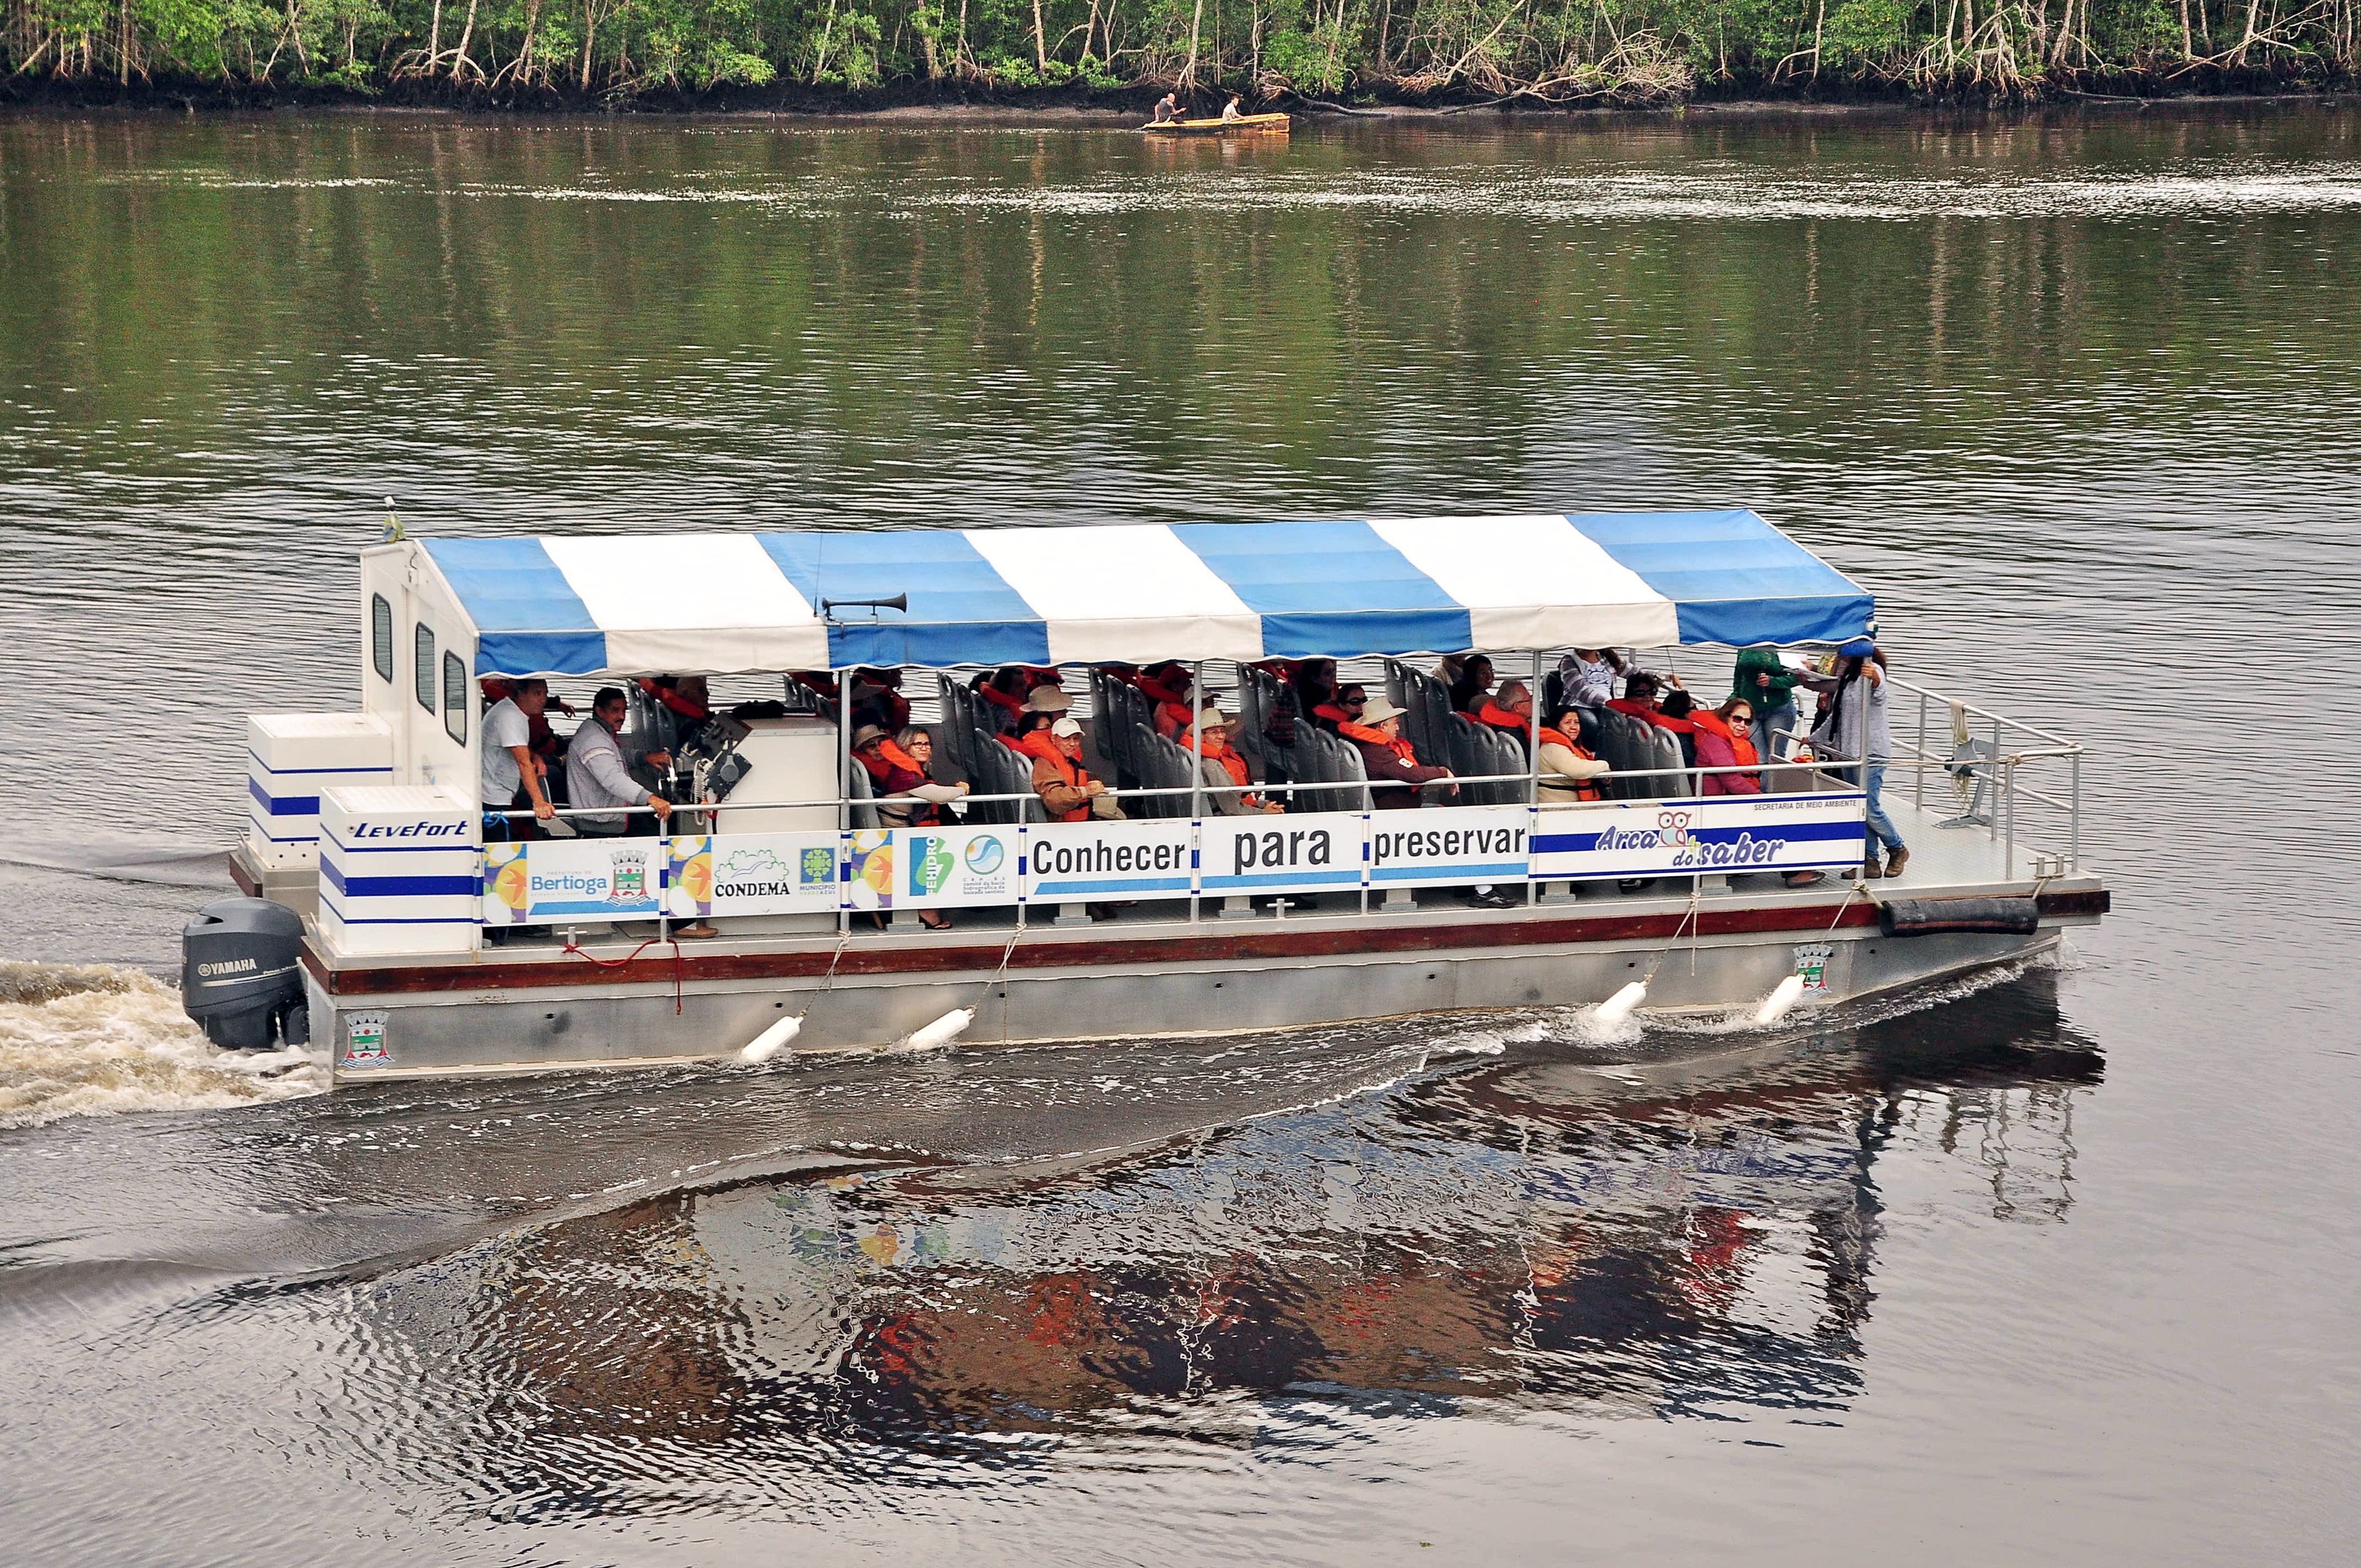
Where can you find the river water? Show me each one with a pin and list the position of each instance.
(2056, 1268)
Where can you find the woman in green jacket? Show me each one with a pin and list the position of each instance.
(1762, 681)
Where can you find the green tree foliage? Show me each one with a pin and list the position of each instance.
(1517, 50)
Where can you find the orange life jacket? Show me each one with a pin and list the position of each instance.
(1399, 745)
(1040, 747)
(1333, 714)
(1173, 712)
(1583, 789)
(1741, 740)
(1500, 718)
(1236, 766)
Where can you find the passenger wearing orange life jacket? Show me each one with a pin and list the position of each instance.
(1341, 710)
(1067, 794)
(1004, 689)
(1395, 772)
(877, 699)
(1510, 713)
(1725, 738)
(1578, 771)
(1224, 771)
(1167, 685)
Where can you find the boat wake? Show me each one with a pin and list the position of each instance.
(96, 1040)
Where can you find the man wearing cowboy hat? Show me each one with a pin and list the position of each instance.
(1387, 757)
(1224, 770)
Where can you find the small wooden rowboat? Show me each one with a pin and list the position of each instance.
(1245, 124)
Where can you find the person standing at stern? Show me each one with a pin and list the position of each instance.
(1854, 731)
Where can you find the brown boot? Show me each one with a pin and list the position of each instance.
(1895, 858)
(1868, 867)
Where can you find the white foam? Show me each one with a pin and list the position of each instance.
(1475, 1043)
(92, 1040)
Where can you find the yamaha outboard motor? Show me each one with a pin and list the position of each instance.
(242, 976)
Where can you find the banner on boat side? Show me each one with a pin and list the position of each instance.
(1309, 853)
(1448, 847)
(1722, 834)
(1099, 860)
(932, 868)
(753, 873)
(949, 867)
(552, 879)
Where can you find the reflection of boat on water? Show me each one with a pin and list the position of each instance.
(1244, 125)
(1676, 1237)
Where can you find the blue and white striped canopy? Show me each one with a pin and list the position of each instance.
(740, 603)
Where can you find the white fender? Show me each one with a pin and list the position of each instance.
(1788, 991)
(943, 1030)
(1618, 1007)
(773, 1040)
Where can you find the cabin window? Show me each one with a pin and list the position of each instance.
(381, 636)
(422, 668)
(455, 697)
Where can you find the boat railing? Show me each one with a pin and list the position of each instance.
(2010, 778)
(831, 803)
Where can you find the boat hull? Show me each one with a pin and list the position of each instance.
(1246, 126)
(559, 1011)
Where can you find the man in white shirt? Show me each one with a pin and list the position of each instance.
(512, 772)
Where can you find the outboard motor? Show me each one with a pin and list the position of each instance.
(242, 976)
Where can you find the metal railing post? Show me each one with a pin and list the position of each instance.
(1533, 767)
(1196, 773)
(1995, 745)
(1918, 785)
(2008, 804)
(843, 797)
(2075, 816)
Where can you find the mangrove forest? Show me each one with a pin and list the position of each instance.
(818, 54)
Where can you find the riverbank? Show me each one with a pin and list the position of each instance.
(1123, 111)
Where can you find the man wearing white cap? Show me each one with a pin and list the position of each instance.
(1067, 793)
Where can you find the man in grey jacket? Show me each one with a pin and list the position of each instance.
(1856, 730)
(595, 774)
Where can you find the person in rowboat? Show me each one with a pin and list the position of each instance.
(1167, 108)
(1230, 115)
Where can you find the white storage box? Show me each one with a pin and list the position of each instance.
(290, 758)
(400, 869)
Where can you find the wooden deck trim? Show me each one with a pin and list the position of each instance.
(1047, 951)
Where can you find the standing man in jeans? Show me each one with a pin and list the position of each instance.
(1855, 730)
(511, 777)
(596, 776)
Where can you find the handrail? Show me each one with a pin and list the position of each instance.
(1289, 787)
(2050, 735)
(1822, 765)
(1915, 756)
